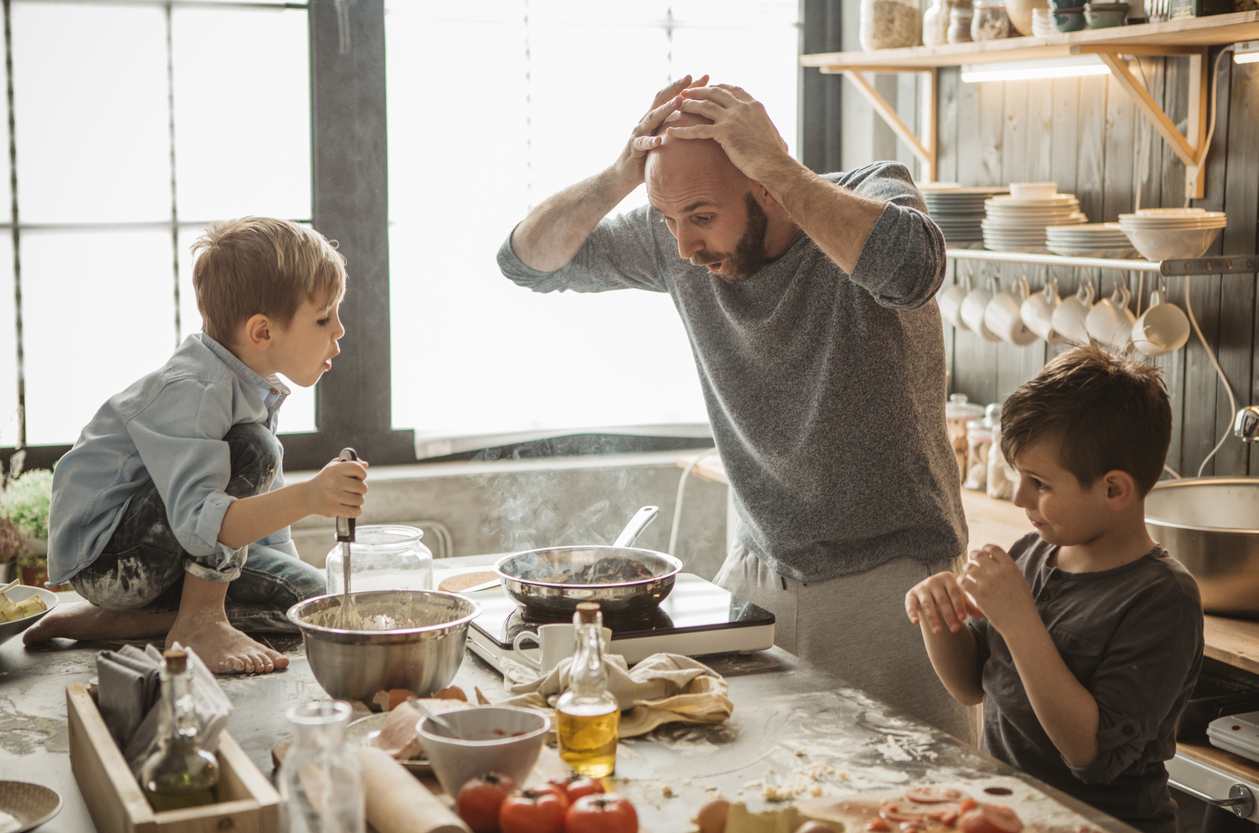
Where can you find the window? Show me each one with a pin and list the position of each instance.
(493, 106)
(135, 124)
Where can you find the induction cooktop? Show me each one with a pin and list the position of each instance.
(697, 618)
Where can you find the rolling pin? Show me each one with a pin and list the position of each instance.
(397, 802)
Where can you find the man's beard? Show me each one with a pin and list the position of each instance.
(749, 253)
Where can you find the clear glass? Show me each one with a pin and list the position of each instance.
(959, 25)
(179, 773)
(937, 18)
(990, 22)
(320, 782)
(587, 716)
(888, 24)
(382, 558)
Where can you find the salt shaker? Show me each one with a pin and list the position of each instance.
(320, 781)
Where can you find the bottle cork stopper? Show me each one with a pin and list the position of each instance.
(176, 661)
(587, 612)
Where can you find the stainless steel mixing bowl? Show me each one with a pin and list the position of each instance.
(1211, 525)
(411, 639)
(533, 579)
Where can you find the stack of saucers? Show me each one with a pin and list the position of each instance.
(1172, 233)
(1016, 223)
(1089, 240)
(958, 211)
(1043, 23)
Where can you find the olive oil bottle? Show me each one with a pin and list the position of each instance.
(587, 716)
(179, 773)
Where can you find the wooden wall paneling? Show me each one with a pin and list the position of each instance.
(1063, 161)
(947, 140)
(1088, 169)
(979, 108)
(1148, 170)
(909, 111)
(1237, 292)
(1119, 163)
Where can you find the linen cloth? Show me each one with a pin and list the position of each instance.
(662, 688)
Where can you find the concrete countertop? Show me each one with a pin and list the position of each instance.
(794, 728)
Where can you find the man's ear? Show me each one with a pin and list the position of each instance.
(258, 332)
(1121, 489)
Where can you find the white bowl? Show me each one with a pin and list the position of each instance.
(1033, 190)
(8, 630)
(493, 739)
(1172, 244)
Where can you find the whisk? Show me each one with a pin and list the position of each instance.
(347, 616)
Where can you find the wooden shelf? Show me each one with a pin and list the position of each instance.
(1175, 37)
(1233, 641)
(1234, 766)
(1191, 37)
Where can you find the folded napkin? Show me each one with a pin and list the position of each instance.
(663, 688)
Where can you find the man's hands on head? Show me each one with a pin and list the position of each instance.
(739, 124)
(631, 163)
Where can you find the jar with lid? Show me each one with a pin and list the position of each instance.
(888, 24)
(958, 413)
(936, 19)
(980, 434)
(320, 781)
(990, 21)
(959, 25)
(1002, 479)
(382, 557)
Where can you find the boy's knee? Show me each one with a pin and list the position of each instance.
(256, 456)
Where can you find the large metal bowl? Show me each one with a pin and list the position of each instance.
(1211, 525)
(412, 639)
(531, 579)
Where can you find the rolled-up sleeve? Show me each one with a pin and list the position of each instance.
(902, 263)
(184, 452)
(1143, 674)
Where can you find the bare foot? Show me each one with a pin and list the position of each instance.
(86, 621)
(223, 648)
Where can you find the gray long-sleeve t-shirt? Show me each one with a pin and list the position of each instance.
(825, 390)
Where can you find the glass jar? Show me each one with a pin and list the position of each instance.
(959, 413)
(990, 21)
(1002, 479)
(959, 25)
(888, 24)
(936, 20)
(320, 781)
(382, 558)
(980, 435)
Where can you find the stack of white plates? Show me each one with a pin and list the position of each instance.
(1089, 240)
(1043, 23)
(1172, 233)
(957, 211)
(1018, 225)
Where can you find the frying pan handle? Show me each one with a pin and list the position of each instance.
(345, 526)
(636, 525)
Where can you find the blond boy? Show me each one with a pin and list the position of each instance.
(1085, 641)
(170, 514)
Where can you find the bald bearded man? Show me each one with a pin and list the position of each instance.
(807, 301)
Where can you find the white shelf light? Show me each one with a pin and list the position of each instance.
(1069, 67)
(1246, 52)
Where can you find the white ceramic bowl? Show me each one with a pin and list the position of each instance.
(1172, 244)
(8, 630)
(1033, 190)
(494, 739)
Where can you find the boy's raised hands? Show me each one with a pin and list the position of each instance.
(994, 581)
(339, 490)
(940, 602)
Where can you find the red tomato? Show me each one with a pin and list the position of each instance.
(575, 786)
(991, 818)
(933, 794)
(533, 811)
(479, 800)
(601, 813)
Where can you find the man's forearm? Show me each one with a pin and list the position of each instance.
(836, 219)
(1066, 710)
(552, 234)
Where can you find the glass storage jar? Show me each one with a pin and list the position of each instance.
(320, 781)
(888, 24)
(990, 21)
(959, 25)
(937, 18)
(958, 413)
(979, 438)
(382, 557)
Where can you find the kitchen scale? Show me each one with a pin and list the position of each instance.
(697, 618)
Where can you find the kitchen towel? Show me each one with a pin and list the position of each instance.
(663, 688)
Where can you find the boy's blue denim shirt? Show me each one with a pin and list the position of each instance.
(168, 427)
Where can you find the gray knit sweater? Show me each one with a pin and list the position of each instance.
(825, 390)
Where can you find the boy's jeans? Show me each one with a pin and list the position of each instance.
(142, 567)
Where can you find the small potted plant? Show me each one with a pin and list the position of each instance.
(10, 547)
(26, 499)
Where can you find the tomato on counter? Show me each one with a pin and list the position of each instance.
(533, 811)
(480, 799)
(602, 813)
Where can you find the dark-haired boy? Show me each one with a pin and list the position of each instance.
(1084, 641)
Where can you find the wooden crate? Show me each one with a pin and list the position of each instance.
(247, 801)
